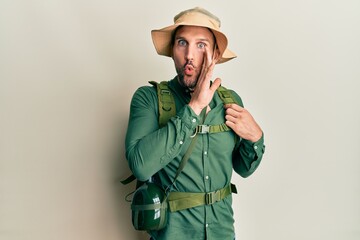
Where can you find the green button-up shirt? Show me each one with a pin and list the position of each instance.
(150, 150)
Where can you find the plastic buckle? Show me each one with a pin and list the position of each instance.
(165, 91)
(203, 129)
(212, 197)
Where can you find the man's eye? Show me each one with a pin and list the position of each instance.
(201, 45)
(182, 42)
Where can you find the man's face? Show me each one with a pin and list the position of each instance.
(190, 45)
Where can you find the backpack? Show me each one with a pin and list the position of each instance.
(147, 215)
(167, 110)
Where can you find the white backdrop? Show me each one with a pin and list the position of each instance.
(68, 70)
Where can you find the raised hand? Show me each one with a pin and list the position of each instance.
(203, 91)
(242, 122)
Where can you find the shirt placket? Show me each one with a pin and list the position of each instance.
(206, 176)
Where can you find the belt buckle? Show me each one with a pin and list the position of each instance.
(208, 198)
(212, 197)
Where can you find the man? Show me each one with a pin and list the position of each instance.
(196, 45)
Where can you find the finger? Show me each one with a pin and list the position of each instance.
(234, 106)
(233, 125)
(206, 58)
(232, 113)
(216, 55)
(203, 69)
(230, 124)
(216, 84)
(211, 63)
(231, 118)
(207, 67)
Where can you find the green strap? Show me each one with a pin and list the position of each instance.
(186, 156)
(166, 102)
(183, 200)
(137, 209)
(219, 128)
(202, 129)
(167, 108)
(225, 95)
(145, 207)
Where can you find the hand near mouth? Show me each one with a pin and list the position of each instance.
(204, 90)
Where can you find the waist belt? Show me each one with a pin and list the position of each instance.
(184, 200)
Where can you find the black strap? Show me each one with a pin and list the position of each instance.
(128, 180)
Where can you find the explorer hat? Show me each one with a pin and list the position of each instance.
(192, 17)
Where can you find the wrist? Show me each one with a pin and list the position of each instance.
(195, 108)
(256, 137)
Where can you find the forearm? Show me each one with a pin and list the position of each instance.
(148, 148)
(148, 155)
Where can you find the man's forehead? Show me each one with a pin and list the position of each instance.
(195, 31)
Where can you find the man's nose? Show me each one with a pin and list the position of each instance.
(190, 52)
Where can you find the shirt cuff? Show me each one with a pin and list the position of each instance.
(189, 117)
(258, 147)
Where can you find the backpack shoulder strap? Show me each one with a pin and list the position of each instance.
(225, 95)
(167, 108)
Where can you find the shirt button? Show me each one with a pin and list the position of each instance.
(255, 147)
(194, 120)
(205, 152)
(181, 142)
(206, 225)
(206, 177)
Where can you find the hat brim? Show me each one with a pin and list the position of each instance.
(162, 41)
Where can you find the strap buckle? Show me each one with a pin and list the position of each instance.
(165, 91)
(201, 129)
(212, 197)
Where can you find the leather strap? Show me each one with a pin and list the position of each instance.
(128, 180)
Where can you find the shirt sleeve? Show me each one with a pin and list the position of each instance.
(148, 148)
(247, 155)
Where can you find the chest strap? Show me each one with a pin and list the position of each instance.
(184, 200)
(203, 129)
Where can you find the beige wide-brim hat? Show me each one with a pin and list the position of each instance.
(192, 17)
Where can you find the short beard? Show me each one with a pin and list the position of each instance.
(188, 84)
